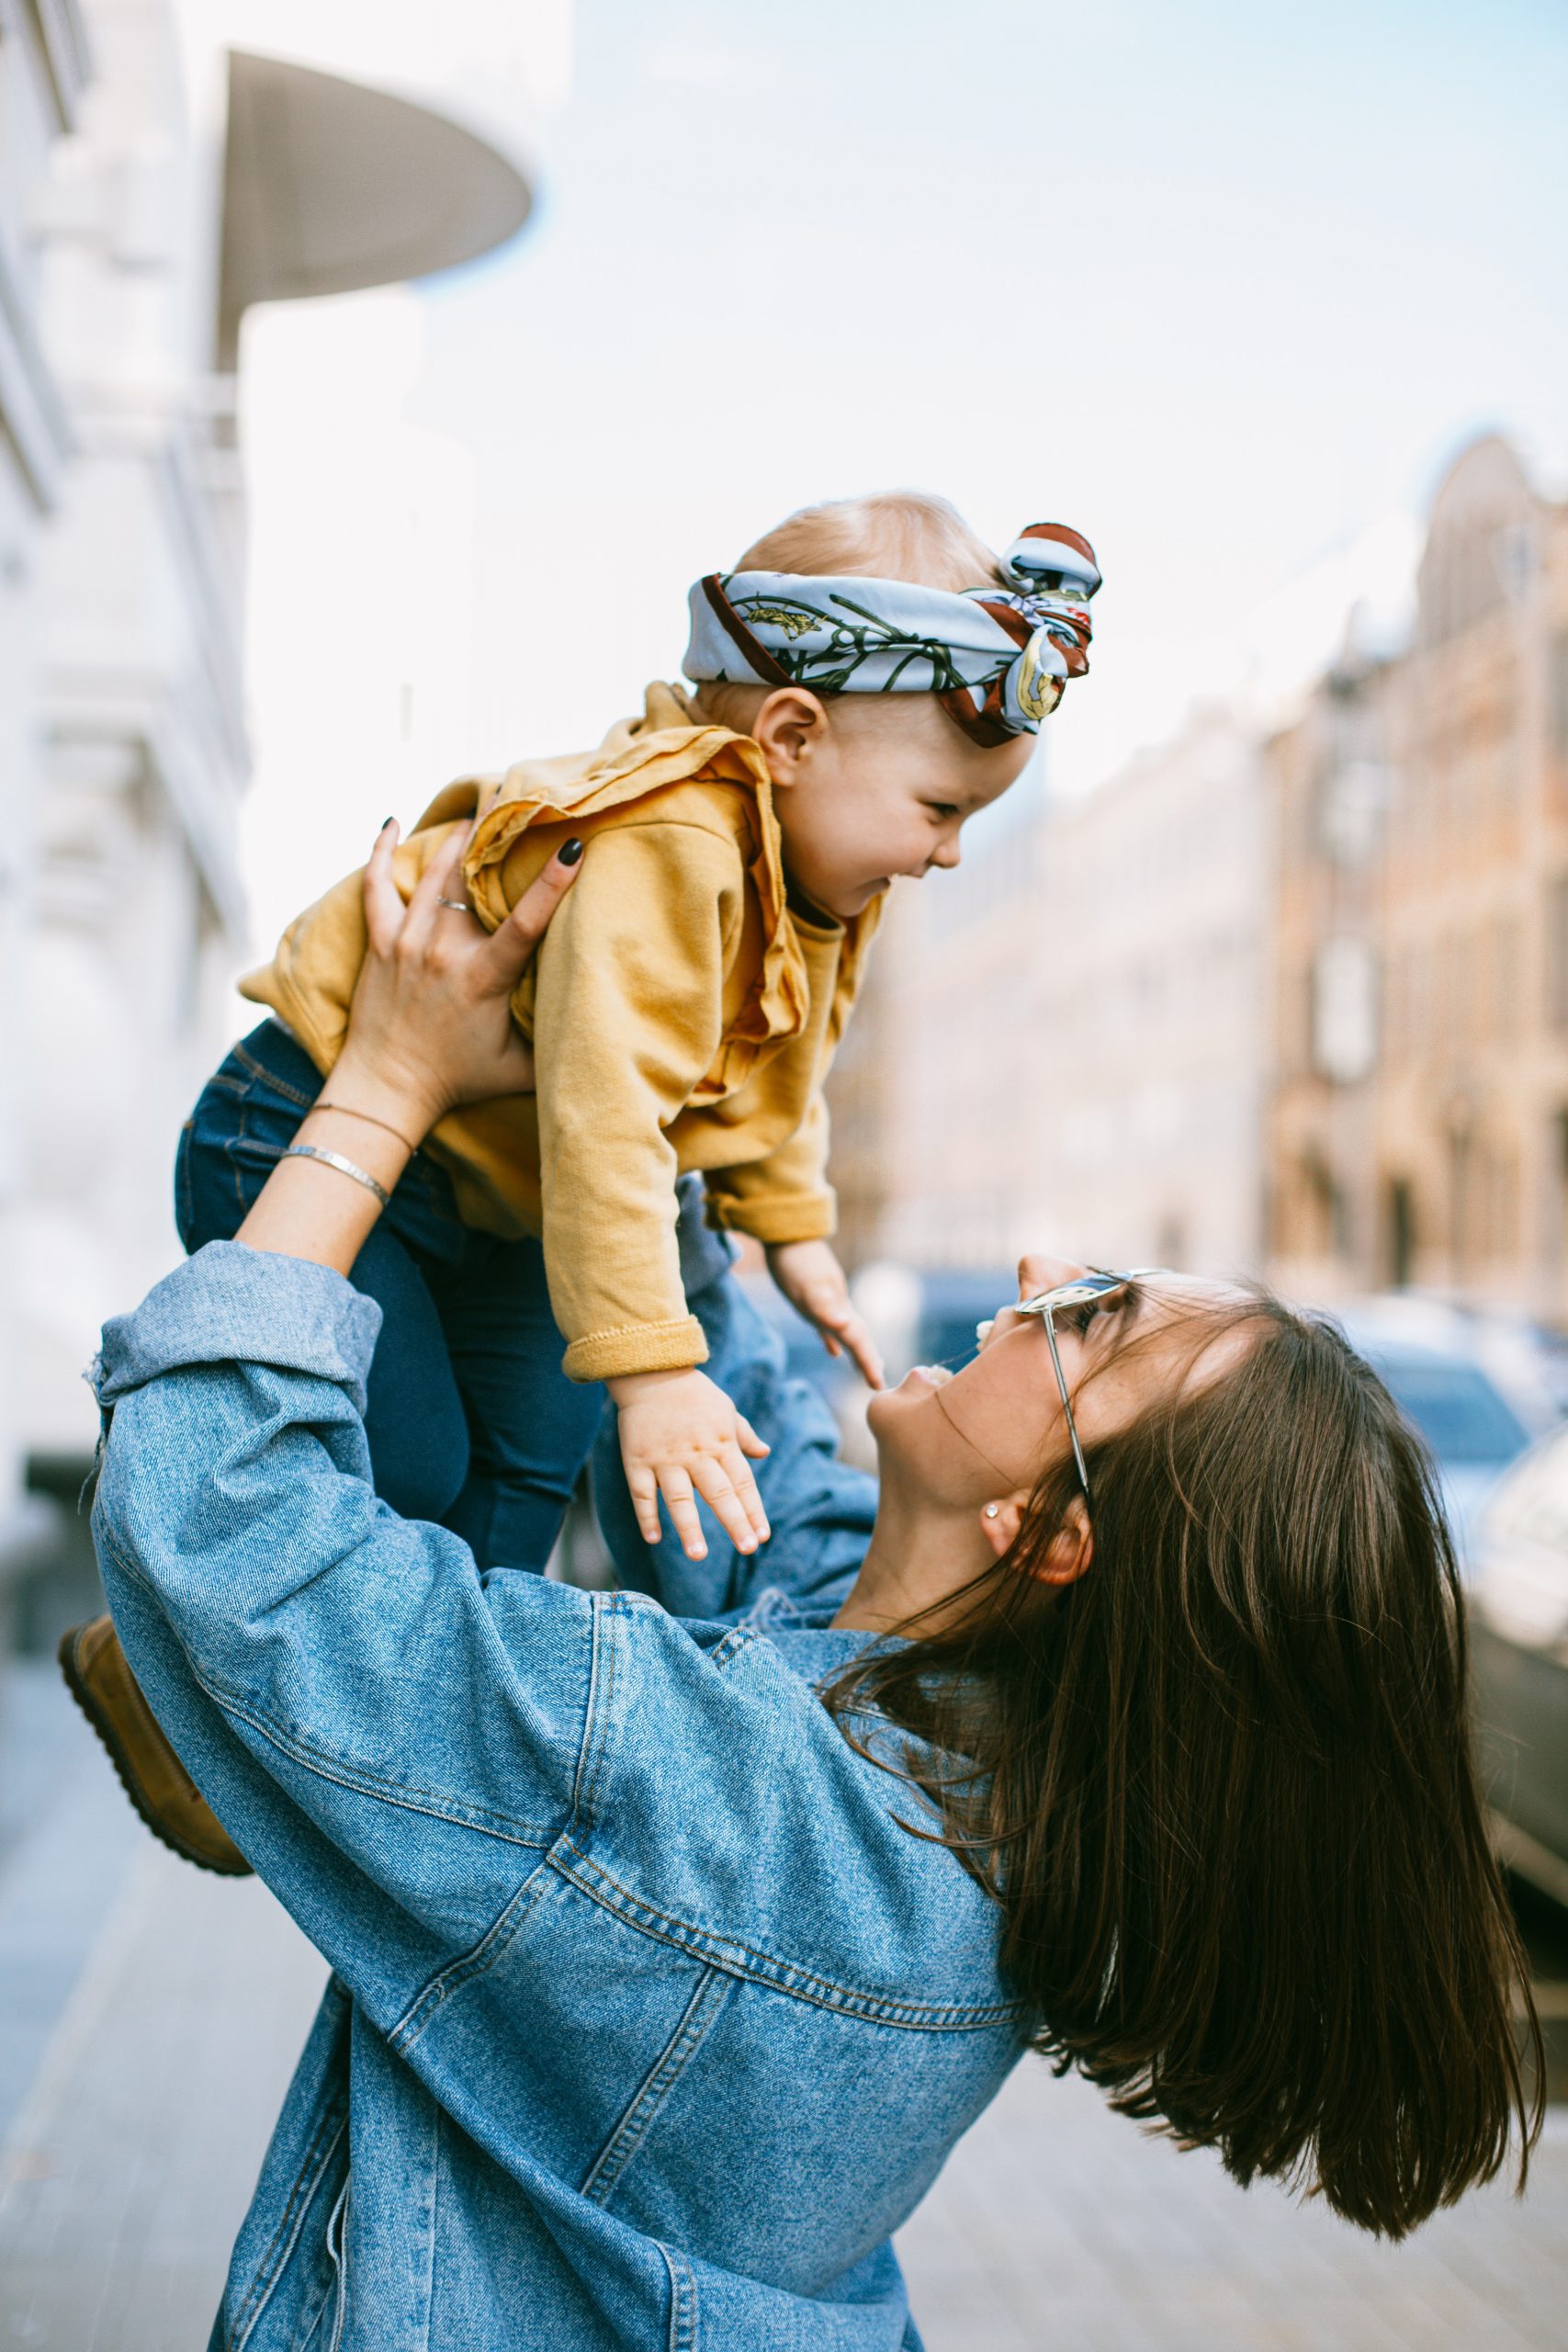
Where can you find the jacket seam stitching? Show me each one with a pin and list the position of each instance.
(528, 1834)
(738, 1959)
(475, 1962)
(608, 2169)
(596, 1730)
(286, 2236)
(683, 2320)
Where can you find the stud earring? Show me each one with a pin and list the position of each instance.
(993, 1510)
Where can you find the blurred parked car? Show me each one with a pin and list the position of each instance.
(1519, 1651)
(1473, 1430)
(1521, 1357)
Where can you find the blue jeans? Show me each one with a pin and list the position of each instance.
(469, 1417)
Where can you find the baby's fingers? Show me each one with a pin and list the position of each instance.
(862, 1347)
(745, 1486)
(676, 1488)
(747, 1440)
(643, 1489)
(722, 1496)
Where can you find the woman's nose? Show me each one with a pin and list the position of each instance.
(1037, 1273)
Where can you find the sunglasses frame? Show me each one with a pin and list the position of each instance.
(1098, 1284)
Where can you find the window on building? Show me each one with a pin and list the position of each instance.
(1559, 659)
(1557, 952)
(1401, 1233)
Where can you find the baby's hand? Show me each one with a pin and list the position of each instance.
(813, 1281)
(679, 1431)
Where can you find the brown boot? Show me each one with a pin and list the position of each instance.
(154, 1780)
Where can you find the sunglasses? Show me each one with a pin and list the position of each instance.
(1077, 1303)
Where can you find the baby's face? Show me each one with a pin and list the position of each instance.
(883, 790)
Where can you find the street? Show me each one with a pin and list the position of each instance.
(150, 2017)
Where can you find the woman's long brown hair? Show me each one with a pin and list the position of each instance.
(1222, 1787)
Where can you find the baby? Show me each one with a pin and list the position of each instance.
(867, 679)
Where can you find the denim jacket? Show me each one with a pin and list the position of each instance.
(647, 2022)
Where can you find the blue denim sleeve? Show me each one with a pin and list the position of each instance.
(820, 1510)
(342, 1684)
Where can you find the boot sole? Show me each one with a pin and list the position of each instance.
(124, 1772)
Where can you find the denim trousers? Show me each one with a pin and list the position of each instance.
(469, 1417)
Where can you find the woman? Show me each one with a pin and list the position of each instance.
(670, 1958)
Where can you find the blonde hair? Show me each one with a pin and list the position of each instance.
(888, 535)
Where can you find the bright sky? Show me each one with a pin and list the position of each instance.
(1223, 285)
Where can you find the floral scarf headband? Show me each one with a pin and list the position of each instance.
(997, 658)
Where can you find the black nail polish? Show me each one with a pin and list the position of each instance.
(569, 852)
(385, 822)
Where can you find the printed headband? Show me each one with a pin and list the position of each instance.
(998, 659)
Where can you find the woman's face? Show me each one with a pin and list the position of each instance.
(963, 1437)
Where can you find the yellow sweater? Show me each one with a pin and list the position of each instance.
(683, 1016)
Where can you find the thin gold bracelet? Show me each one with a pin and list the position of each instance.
(370, 1119)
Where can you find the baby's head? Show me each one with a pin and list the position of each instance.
(886, 720)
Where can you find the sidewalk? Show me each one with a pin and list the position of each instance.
(1059, 2224)
(158, 2066)
(159, 2063)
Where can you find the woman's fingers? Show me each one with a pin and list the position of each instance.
(437, 882)
(676, 1488)
(383, 901)
(511, 946)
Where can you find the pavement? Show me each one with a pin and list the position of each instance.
(150, 2017)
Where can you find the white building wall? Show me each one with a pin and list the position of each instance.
(144, 751)
(132, 776)
(43, 64)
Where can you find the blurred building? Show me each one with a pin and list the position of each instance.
(929, 1096)
(1151, 1035)
(1328, 781)
(164, 174)
(1064, 1043)
(1418, 1130)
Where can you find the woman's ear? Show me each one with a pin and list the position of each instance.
(1000, 1521)
(1070, 1551)
(789, 725)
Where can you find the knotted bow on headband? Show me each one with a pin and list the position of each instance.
(997, 658)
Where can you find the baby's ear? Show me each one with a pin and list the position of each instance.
(789, 725)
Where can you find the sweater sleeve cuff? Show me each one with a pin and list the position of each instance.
(674, 1346)
(786, 1217)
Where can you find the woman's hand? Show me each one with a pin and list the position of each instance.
(430, 1028)
(431, 1024)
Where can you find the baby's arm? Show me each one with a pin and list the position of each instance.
(786, 1203)
(627, 1021)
